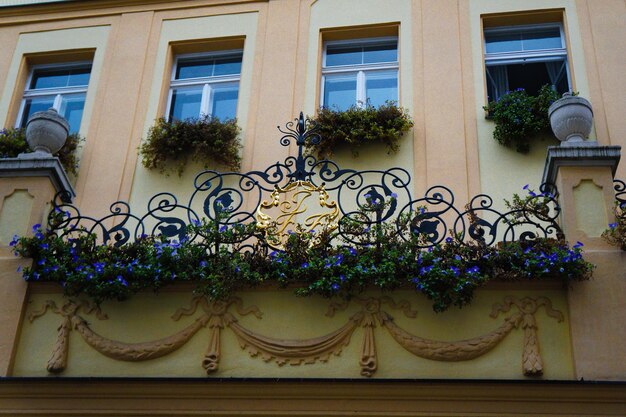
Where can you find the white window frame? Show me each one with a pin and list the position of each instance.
(535, 55)
(360, 69)
(57, 92)
(206, 103)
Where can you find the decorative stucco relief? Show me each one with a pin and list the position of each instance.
(216, 317)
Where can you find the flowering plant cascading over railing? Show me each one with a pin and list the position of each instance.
(331, 229)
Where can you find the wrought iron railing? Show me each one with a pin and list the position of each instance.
(345, 196)
(620, 192)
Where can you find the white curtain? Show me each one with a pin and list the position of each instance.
(556, 71)
(499, 80)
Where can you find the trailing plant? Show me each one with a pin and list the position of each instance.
(537, 204)
(204, 139)
(357, 126)
(13, 142)
(520, 117)
(210, 255)
(616, 233)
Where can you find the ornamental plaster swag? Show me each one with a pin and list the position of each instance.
(372, 314)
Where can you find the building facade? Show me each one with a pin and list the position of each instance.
(112, 68)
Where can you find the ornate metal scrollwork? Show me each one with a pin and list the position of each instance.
(620, 192)
(366, 197)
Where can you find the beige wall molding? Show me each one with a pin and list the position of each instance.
(215, 316)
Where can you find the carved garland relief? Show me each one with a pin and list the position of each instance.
(216, 316)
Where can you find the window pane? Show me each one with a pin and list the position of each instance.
(227, 66)
(186, 103)
(34, 105)
(343, 55)
(544, 39)
(79, 76)
(340, 91)
(61, 77)
(72, 109)
(381, 87)
(380, 53)
(194, 68)
(225, 102)
(503, 42)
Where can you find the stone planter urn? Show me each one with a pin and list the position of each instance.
(570, 119)
(46, 131)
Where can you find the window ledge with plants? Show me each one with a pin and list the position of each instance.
(368, 231)
(520, 118)
(358, 126)
(170, 144)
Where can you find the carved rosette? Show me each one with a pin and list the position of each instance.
(373, 313)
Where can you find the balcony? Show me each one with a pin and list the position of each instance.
(369, 255)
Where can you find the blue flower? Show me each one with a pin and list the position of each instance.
(352, 251)
(473, 270)
(122, 281)
(223, 229)
(448, 240)
(36, 227)
(14, 241)
(335, 287)
(455, 270)
(304, 265)
(99, 267)
(394, 196)
(611, 226)
(44, 246)
(339, 259)
(203, 264)
(19, 268)
(342, 278)
(578, 245)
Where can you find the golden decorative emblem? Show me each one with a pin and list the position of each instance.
(290, 202)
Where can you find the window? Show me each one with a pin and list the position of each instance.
(62, 87)
(205, 84)
(528, 57)
(359, 72)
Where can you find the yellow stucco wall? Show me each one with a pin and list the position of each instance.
(496, 174)
(441, 82)
(147, 183)
(56, 41)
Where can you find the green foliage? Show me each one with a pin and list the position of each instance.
(205, 139)
(532, 204)
(13, 142)
(520, 117)
(447, 273)
(616, 233)
(357, 126)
